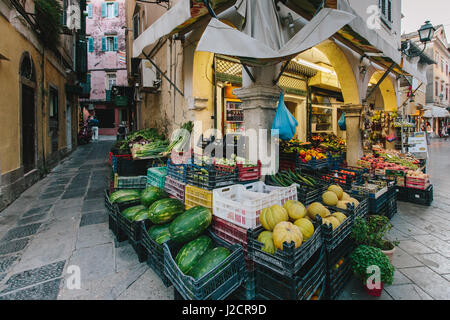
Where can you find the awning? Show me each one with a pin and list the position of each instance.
(435, 112)
(360, 38)
(222, 39)
(181, 16)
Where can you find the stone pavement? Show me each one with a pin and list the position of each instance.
(61, 222)
(422, 259)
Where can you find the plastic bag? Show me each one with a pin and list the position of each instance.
(341, 122)
(284, 121)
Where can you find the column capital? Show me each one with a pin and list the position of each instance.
(262, 96)
(352, 110)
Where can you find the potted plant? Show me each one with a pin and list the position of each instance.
(372, 233)
(363, 259)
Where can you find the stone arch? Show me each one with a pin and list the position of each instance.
(387, 90)
(344, 71)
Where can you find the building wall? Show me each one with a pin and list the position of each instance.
(49, 70)
(101, 63)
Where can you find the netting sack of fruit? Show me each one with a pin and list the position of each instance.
(284, 123)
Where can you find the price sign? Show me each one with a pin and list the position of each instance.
(418, 143)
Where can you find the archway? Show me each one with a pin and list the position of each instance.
(28, 112)
(387, 91)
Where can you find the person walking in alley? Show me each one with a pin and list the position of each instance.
(93, 123)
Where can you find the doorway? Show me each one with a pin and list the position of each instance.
(28, 128)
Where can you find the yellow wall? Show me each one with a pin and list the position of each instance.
(387, 91)
(10, 130)
(13, 46)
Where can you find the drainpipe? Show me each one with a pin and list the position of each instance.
(44, 166)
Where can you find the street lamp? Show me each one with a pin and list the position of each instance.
(426, 33)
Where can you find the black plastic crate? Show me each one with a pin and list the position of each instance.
(305, 194)
(288, 261)
(246, 291)
(270, 285)
(155, 254)
(422, 197)
(333, 238)
(338, 268)
(131, 228)
(140, 250)
(177, 171)
(218, 284)
(129, 167)
(207, 177)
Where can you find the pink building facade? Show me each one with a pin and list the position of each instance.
(105, 32)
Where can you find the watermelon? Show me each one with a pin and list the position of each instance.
(152, 194)
(121, 193)
(126, 198)
(191, 252)
(165, 210)
(142, 215)
(190, 224)
(159, 233)
(131, 212)
(209, 261)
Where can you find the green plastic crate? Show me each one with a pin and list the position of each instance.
(156, 177)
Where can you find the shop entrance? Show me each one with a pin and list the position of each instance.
(28, 128)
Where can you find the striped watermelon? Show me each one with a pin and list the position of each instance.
(121, 193)
(165, 210)
(209, 261)
(159, 233)
(190, 224)
(131, 212)
(191, 252)
(151, 194)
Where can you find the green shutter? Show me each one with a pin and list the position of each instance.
(91, 45)
(104, 10)
(104, 44)
(115, 43)
(116, 9)
(90, 10)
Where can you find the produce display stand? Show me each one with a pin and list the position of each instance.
(217, 284)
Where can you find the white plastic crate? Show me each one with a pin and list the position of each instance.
(242, 204)
(284, 193)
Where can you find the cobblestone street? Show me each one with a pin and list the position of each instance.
(61, 221)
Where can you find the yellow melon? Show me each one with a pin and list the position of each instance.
(337, 190)
(295, 209)
(345, 196)
(342, 204)
(340, 216)
(270, 217)
(286, 232)
(306, 228)
(331, 220)
(330, 198)
(316, 208)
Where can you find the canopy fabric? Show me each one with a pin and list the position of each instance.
(182, 15)
(253, 13)
(435, 112)
(222, 39)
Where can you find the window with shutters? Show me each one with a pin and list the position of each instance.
(53, 102)
(386, 14)
(109, 43)
(110, 9)
(110, 80)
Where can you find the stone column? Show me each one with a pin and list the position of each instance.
(354, 141)
(259, 102)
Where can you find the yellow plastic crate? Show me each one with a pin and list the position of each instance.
(195, 196)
